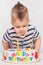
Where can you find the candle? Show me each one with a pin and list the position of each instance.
(17, 44)
(22, 44)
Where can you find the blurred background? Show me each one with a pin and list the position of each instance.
(35, 9)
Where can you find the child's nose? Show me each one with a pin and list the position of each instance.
(21, 28)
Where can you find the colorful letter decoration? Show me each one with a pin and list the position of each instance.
(22, 55)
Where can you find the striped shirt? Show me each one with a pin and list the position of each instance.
(29, 38)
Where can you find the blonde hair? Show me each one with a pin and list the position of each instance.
(20, 10)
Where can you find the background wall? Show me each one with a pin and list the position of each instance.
(35, 8)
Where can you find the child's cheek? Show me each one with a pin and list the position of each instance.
(17, 30)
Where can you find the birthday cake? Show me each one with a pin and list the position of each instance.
(22, 55)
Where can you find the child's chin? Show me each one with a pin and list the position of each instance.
(22, 34)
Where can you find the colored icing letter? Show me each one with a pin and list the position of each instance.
(31, 58)
(14, 58)
(13, 54)
(36, 55)
(18, 59)
(10, 58)
(24, 53)
(5, 58)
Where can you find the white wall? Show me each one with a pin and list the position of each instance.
(35, 8)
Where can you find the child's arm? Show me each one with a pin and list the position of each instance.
(5, 45)
(37, 44)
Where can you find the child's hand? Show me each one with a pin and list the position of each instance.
(5, 45)
(37, 45)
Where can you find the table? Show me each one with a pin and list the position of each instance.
(33, 63)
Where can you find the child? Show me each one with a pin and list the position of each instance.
(21, 30)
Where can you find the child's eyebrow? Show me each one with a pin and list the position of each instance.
(22, 25)
(17, 26)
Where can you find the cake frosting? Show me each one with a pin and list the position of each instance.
(22, 55)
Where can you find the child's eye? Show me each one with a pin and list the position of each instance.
(24, 25)
(17, 26)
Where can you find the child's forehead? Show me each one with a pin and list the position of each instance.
(20, 22)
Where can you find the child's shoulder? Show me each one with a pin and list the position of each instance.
(31, 26)
(10, 29)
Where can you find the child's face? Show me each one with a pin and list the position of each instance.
(20, 26)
